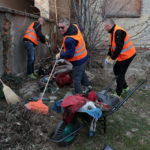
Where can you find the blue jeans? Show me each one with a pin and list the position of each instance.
(31, 56)
(79, 77)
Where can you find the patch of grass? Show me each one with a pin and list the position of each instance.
(141, 100)
(120, 134)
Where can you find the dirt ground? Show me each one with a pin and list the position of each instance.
(21, 129)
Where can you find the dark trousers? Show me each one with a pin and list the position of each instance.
(120, 69)
(31, 56)
(79, 77)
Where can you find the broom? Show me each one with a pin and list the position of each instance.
(38, 106)
(10, 96)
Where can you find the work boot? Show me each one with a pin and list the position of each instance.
(32, 76)
(116, 95)
(35, 74)
(124, 91)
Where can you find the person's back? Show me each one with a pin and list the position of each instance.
(31, 39)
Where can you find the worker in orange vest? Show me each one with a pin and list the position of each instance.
(122, 50)
(32, 35)
(75, 52)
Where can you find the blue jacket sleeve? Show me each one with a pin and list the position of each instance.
(70, 45)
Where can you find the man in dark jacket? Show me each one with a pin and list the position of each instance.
(122, 49)
(74, 51)
(32, 35)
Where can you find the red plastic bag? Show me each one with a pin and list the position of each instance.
(63, 79)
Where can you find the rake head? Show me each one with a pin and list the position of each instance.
(38, 107)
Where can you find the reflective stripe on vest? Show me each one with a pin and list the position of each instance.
(124, 44)
(80, 49)
(31, 34)
(128, 48)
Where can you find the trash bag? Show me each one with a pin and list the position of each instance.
(108, 99)
(63, 79)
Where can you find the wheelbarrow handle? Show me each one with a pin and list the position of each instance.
(109, 86)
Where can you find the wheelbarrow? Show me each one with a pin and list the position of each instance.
(66, 133)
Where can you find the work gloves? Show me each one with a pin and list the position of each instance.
(108, 60)
(57, 56)
(46, 37)
(60, 61)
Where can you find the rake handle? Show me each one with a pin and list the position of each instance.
(50, 76)
(48, 80)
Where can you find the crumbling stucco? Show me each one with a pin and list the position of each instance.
(43, 6)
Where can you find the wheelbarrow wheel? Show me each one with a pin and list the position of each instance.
(63, 129)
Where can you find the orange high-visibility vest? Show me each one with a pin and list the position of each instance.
(31, 34)
(80, 49)
(128, 48)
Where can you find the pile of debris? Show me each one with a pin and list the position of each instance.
(23, 129)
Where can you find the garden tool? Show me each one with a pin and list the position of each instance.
(9, 94)
(38, 106)
(48, 44)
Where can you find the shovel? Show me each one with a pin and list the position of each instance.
(9, 94)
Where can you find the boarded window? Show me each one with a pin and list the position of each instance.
(122, 8)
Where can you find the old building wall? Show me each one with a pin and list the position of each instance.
(21, 5)
(12, 28)
(43, 6)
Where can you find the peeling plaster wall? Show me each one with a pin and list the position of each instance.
(17, 57)
(43, 6)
